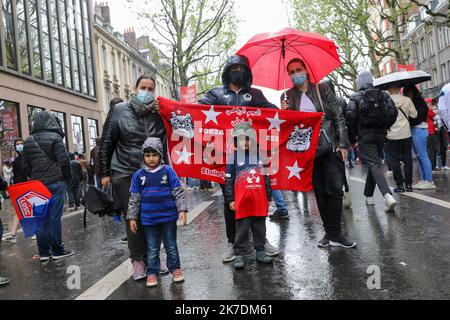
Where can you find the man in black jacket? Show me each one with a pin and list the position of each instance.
(45, 158)
(237, 80)
(127, 127)
(370, 129)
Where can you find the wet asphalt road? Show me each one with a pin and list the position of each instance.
(410, 248)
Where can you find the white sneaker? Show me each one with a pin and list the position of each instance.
(370, 201)
(446, 168)
(417, 186)
(428, 185)
(390, 203)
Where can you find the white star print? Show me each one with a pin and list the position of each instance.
(184, 156)
(211, 115)
(275, 123)
(294, 171)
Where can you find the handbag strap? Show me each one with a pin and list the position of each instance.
(48, 157)
(320, 98)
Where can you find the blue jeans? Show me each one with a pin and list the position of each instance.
(168, 234)
(279, 200)
(49, 237)
(420, 137)
(193, 182)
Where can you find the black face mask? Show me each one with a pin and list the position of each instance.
(238, 77)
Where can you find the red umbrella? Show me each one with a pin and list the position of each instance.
(269, 53)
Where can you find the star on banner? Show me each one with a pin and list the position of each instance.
(275, 123)
(184, 156)
(211, 115)
(295, 171)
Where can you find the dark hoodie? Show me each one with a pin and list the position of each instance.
(45, 156)
(248, 96)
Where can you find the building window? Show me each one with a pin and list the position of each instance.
(23, 37)
(105, 59)
(10, 34)
(444, 73)
(9, 117)
(32, 111)
(93, 132)
(431, 43)
(113, 63)
(35, 39)
(423, 47)
(48, 68)
(56, 43)
(78, 134)
(435, 77)
(62, 119)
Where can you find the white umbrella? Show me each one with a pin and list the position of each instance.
(401, 79)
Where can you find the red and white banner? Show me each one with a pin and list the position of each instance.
(188, 94)
(200, 136)
(406, 67)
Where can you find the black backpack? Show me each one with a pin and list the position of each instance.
(373, 110)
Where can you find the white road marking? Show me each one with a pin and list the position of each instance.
(415, 195)
(217, 194)
(110, 283)
(113, 280)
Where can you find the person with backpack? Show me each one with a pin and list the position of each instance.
(46, 158)
(370, 113)
(400, 140)
(419, 127)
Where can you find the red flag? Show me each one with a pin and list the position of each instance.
(200, 136)
(32, 202)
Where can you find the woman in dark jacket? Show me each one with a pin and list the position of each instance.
(329, 167)
(127, 127)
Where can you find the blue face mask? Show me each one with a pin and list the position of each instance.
(19, 148)
(299, 78)
(146, 97)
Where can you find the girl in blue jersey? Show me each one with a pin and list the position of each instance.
(157, 201)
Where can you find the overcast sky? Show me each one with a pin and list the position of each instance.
(256, 16)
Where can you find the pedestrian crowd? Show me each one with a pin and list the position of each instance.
(131, 158)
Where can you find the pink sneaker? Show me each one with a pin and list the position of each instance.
(139, 270)
(178, 275)
(152, 281)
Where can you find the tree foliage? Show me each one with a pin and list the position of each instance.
(199, 34)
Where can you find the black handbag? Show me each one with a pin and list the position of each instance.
(98, 202)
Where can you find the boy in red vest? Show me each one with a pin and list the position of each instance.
(248, 193)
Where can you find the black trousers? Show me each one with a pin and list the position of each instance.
(443, 146)
(432, 148)
(136, 241)
(371, 145)
(230, 219)
(258, 227)
(74, 195)
(328, 182)
(401, 150)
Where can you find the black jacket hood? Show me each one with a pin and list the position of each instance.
(233, 60)
(46, 122)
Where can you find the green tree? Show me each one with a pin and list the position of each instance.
(198, 33)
